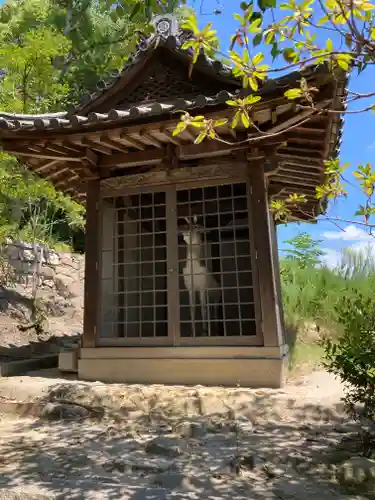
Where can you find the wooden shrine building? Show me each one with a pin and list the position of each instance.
(182, 283)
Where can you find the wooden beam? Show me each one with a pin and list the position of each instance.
(150, 157)
(96, 145)
(46, 166)
(295, 180)
(118, 135)
(66, 181)
(284, 123)
(158, 177)
(208, 149)
(57, 173)
(116, 146)
(91, 157)
(309, 131)
(149, 139)
(45, 154)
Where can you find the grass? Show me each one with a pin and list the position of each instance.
(309, 299)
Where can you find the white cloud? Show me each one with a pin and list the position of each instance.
(350, 233)
(332, 257)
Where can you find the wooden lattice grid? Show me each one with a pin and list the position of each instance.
(146, 283)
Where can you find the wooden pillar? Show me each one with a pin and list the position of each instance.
(277, 278)
(270, 304)
(92, 275)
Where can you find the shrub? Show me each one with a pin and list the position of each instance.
(351, 356)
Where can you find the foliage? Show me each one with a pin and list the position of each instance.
(30, 82)
(305, 251)
(81, 42)
(30, 208)
(352, 356)
(311, 294)
(294, 34)
(51, 53)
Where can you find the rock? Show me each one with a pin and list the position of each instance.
(53, 258)
(166, 446)
(169, 480)
(19, 494)
(251, 461)
(190, 429)
(272, 471)
(357, 471)
(63, 411)
(148, 466)
(141, 466)
(343, 428)
(338, 456)
(117, 465)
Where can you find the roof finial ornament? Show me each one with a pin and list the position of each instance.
(165, 25)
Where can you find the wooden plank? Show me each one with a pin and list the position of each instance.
(92, 284)
(91, 157)
(207, 149)
(48, 155)
(148, 139)
(317, 132)
(262, 242)
(96, 145)
(46, 166)
(150, 157)
(296, 180)
(57, 173)
(111, 144)
(114, 186)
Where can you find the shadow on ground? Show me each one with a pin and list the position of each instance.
(246, 445)
(50, 345)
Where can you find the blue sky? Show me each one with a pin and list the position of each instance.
(358, 143)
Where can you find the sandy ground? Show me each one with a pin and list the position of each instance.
(159, 443)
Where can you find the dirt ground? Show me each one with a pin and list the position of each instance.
(103, 441)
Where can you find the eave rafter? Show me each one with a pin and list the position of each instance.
(292, 139)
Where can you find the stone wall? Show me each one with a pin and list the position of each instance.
(61, 270)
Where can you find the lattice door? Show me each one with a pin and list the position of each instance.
(177, 267)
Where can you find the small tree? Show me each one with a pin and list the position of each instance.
(305, 251)
(352, 356)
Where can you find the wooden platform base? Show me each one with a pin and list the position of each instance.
(225, 366)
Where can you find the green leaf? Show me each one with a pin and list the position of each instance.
(180, 127)
(258, 58)
(289, 54)
(257, 39)
(252, 99)
(236, 119)
(233, 103)
(329, 45)
(186, 45)
(275, 51)
(262, 5)
(200, 137)
(245, 120)
(270, 37)
(293, 93)
(220, 123)
(136, 9)
(238, 17)
(253, 83)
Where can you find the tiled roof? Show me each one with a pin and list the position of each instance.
(73, 120)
